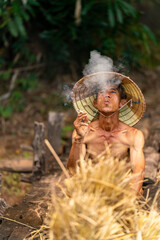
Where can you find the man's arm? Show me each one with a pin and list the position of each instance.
(137, 161)
(78, 148)
(77, 151)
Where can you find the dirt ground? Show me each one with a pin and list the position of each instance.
(18, 130)
(29, 200)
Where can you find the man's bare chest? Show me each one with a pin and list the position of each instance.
(113, 137)
(117, 140)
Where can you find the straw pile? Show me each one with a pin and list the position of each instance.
(98, 204)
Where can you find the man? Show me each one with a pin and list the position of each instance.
(119, 104)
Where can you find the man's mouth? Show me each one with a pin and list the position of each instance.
(107, 102)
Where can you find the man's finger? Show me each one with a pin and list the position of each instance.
(82, 114)
(83, 117)
(84, 124)
(81, 124)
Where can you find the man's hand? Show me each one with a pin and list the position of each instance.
(81, 124)
(78, 148)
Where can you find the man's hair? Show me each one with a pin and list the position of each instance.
(123, 94)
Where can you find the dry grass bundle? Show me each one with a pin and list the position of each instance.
(98, 204)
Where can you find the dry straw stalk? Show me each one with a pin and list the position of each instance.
(98, 204)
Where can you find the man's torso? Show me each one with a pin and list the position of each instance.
(119, 140)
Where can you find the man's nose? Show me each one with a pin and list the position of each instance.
(107, 96)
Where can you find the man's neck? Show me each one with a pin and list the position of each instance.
(109, 123)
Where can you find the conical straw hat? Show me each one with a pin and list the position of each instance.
(84, 93)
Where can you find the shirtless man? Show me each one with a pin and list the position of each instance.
(92, 137)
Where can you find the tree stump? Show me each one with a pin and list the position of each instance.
(39, 153)
(55, 122)
(43, 161)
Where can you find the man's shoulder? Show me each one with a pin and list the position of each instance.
(124, 126)
(94, 124)
(134, 134)
(130, 129)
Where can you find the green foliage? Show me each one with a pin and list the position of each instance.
(111, 27)
(28, 83)
(105, 26)
(117, 11)
(17, 99)
(14, 19)
(12, 185)
(66, 129)
(5, 112)
(5, 75)
(14, 14)
(27, 154)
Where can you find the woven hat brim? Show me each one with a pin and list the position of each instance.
(130, 114)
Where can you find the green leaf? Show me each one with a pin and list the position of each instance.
(24, 15)
(150, 34)
(118, 13)
(87, 7)
(30, 10)
(146, 44)
(111, 17)
(12, 28)
(33, 2)
(3, 24)
(20, 27)
(127, 8)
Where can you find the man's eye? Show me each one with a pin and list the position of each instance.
(113, 91)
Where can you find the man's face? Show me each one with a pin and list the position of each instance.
(108, 100)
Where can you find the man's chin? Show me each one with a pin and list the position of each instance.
(107, 113)
(107, 110)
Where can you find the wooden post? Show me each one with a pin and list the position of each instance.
(55, 122)
(43, 161)
(39, 151)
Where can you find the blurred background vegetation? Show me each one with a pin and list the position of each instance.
(44, 46)
(43, 40)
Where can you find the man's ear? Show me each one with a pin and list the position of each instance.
(95, 102)
(122, 102)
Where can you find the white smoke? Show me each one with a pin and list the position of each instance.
(98, 63)
(67, 94)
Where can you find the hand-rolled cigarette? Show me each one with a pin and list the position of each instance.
(80, 111)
